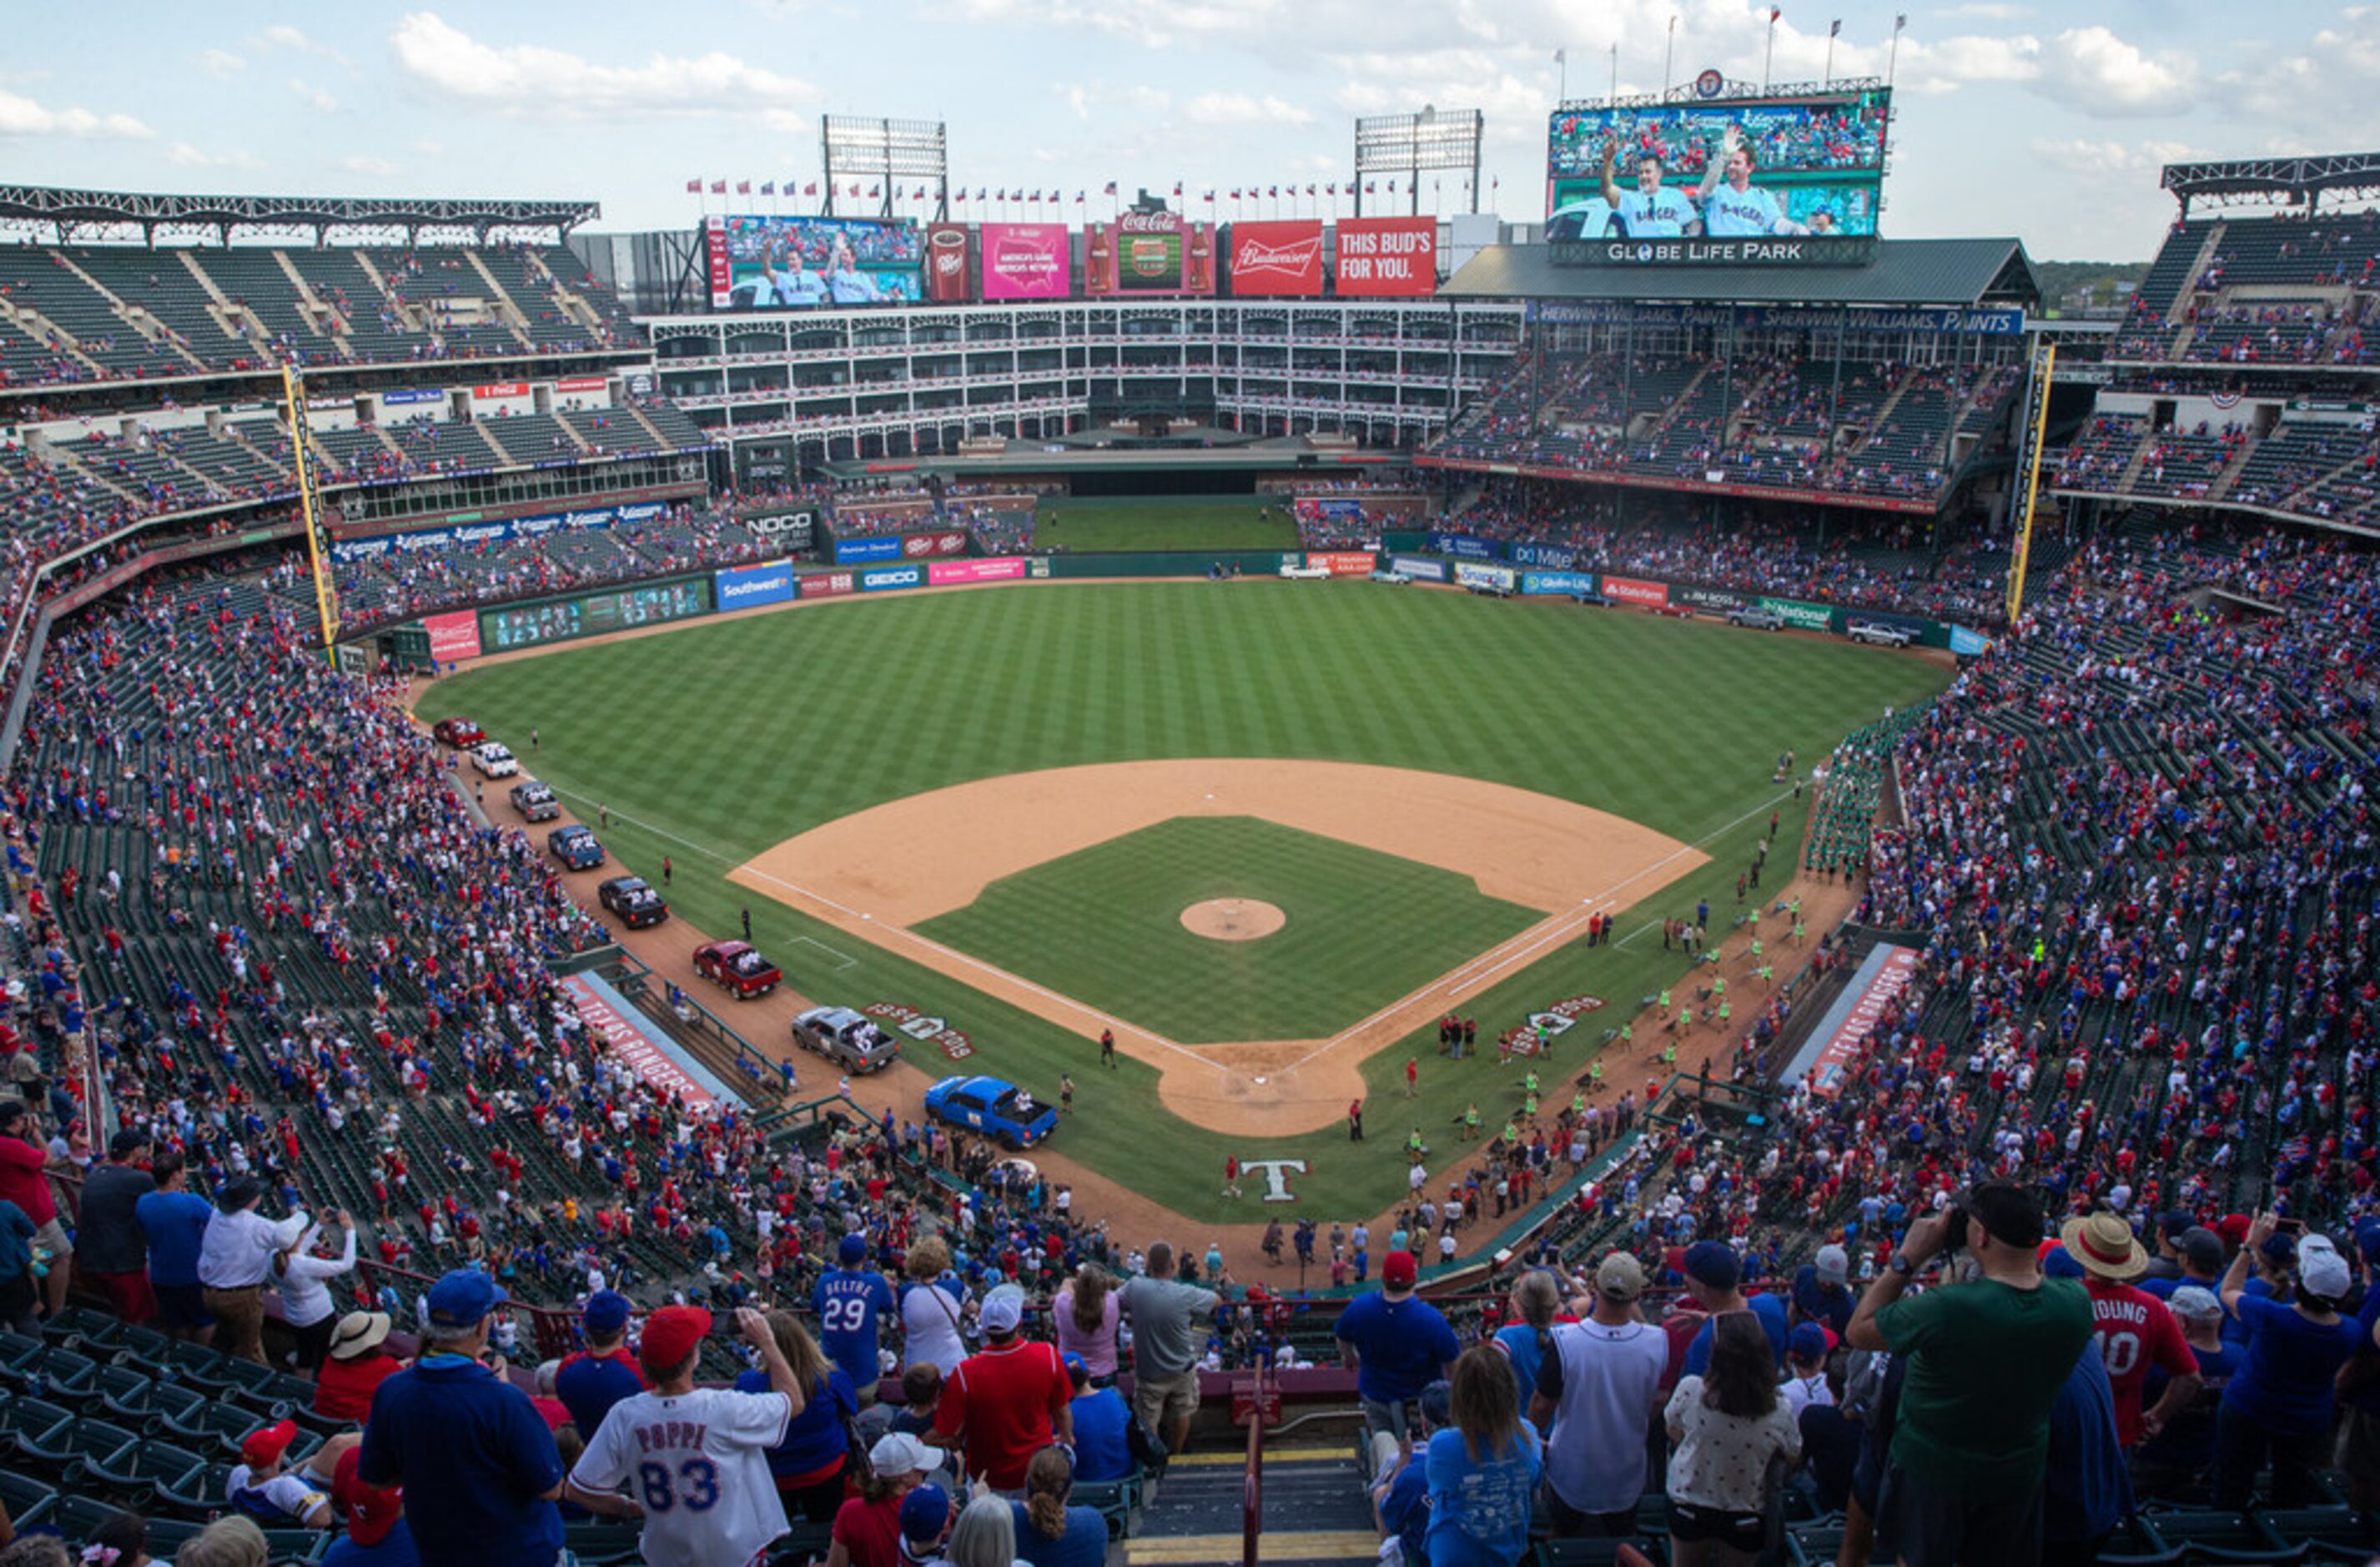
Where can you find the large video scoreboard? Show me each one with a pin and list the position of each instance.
(1788, 178)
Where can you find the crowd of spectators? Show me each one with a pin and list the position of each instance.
(1882, 430)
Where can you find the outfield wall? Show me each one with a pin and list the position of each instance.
(468, 633)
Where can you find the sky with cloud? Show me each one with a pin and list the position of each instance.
(2046, 121)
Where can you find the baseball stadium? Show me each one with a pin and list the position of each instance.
(1073, 877)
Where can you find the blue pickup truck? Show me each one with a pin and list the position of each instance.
(997, 1110)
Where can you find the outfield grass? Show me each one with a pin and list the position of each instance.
(829, 708)
(1188, 522)
(1104, 926)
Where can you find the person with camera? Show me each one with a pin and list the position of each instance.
(2279, 1404)
(1985, 1356)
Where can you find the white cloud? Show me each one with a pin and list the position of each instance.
(281, 35)
(367, 164)
(1231, 111)
(2084, 156)
(221, 63)
(530, 80)
(182, 155)
(1985, 10)
(2093, 70)
(23, 116)
(314, 97)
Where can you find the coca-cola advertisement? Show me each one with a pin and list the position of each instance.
(1387, 258)
(1025, 260)
(1277, 260)
(1149, 254)
(946, 263)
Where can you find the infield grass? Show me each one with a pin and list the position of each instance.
(712, 742)
(1125, 524)
(1104, 926)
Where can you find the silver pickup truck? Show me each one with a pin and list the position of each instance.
(845, 1038)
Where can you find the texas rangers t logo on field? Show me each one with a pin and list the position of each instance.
(1275, 1174)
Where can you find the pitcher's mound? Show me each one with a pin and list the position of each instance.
(1233, 919)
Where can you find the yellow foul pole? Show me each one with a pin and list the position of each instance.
(310, 506)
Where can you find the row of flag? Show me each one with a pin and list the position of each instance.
(1252, 192)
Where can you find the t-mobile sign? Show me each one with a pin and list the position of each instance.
(1024, 260)
(1380, 257)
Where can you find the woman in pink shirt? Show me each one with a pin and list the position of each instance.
(1084, 1314)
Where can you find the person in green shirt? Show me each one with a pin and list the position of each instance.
(1470, 1122)
(1986, 1358)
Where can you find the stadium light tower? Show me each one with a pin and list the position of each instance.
(1410, 145)
(888, 155)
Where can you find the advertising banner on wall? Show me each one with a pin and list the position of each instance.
(829, 584)
(1027, 261)
(920, 546)
(1280, 260)
(1560, 583)
(1463, 546)
(1343, 562)
(944, 573)
(1384, 258)
(1560, 558)
(1418, 567)
(1149, 254)
(884, 578)
(849, 552)
(749, 586)
(1484, 579)
(1629, 590)
(950, 270)
(1713, 601)
(1799, 615)
(413, 394)
(453, 637)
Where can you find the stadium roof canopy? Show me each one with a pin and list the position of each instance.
(2297, 181)
(1900, 273)
(75, 214)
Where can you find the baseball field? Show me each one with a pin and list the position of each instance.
(1267, 833)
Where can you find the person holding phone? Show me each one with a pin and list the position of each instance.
(2279, 1405)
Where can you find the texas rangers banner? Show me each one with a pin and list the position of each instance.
(655, 1060)
(1843, 1033)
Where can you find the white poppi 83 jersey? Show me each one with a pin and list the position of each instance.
(697, 1466)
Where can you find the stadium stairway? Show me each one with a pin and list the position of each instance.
(1314, 1512)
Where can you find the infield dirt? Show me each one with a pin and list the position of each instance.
(876, 872)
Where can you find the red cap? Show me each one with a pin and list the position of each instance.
(267, 1444)
(372, 1511)
(2233, 1228)
(1398, 1270)
(671, 1335)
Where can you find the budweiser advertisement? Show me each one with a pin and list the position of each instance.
(1383, 257)
(1027, 261)
(1149, 254)
(946, 263)
(1277, 260)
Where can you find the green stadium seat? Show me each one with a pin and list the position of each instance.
(28, 1500)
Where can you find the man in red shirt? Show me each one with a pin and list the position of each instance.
(25, 1180)
(2133, 1328)
(1007, 1402)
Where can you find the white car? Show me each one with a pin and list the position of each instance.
(1305, 573)
(494, 760)
(1881, 634)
